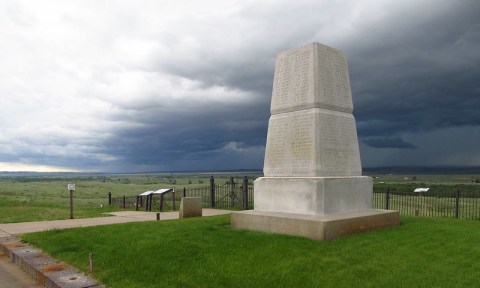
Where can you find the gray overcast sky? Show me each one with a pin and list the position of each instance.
(138, 86)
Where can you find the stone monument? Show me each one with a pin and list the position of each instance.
(313, 184)
(190, 207)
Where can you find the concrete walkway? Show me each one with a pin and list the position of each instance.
(12, 276)
(116, 218)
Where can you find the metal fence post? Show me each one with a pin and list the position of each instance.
(212, 192)
(109, 198)
(245, 193)
(71, 203)
(124, 204)
(174, 200)
(151, 203)
(387, 199)
(232, 192)
(161, 202)
(184, 192)
(457, 200)
(136, 206)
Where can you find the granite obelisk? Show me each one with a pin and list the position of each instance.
(312, 167)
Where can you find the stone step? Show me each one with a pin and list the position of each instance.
(44, 269)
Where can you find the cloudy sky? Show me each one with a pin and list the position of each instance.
(138, 86)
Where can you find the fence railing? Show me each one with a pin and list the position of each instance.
(454, 204)
(231, 195)
(238, 194)
(234, 194)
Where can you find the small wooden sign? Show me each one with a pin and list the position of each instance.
(71, 187)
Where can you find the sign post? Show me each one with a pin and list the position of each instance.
(71, 188)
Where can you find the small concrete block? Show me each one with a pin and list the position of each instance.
(39, 260)
(190, 207)
(69, 278)
(8, 239)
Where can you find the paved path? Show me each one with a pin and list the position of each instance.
(118, 217)
(11, 276)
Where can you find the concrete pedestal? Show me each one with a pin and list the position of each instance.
(326, 227)
(313, 195)
(190, 207)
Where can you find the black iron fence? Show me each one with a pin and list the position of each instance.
(238, 194)
(455, 204)
(234, 194)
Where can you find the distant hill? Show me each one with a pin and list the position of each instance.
(6, 174)
(424, 170)
(371, 170)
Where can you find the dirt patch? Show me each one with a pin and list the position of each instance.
(55, 267)
(13, 245)
(40, 255)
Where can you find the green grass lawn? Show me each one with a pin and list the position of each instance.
(45, 197)
(13, 212)
(205, 252)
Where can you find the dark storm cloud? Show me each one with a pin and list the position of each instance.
(387, 142)
(418, 73)
(186, 85)
(409, 73)
(192, 137)
(250, 72)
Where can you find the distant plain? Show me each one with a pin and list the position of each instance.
(44, 196)
(205, 252)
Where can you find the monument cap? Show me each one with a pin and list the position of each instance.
(311, 76)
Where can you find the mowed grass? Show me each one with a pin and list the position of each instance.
(45, 197)
(50, 200)
(206, 252)
(13, 212)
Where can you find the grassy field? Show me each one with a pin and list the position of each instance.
(425, 179)
(422, 252)
(438, 202)
(45, 196)
(205, 252)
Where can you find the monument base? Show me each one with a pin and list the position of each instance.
(313, 195)
(325, 227)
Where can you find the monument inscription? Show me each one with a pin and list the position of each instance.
(312, 76)
(276, 155)
(334, 83)
(302, 149)
(339, 152)
(312, 142)
(312, 131)
(293, 78)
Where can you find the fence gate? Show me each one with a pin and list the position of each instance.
(233, 194)
(229, 195)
